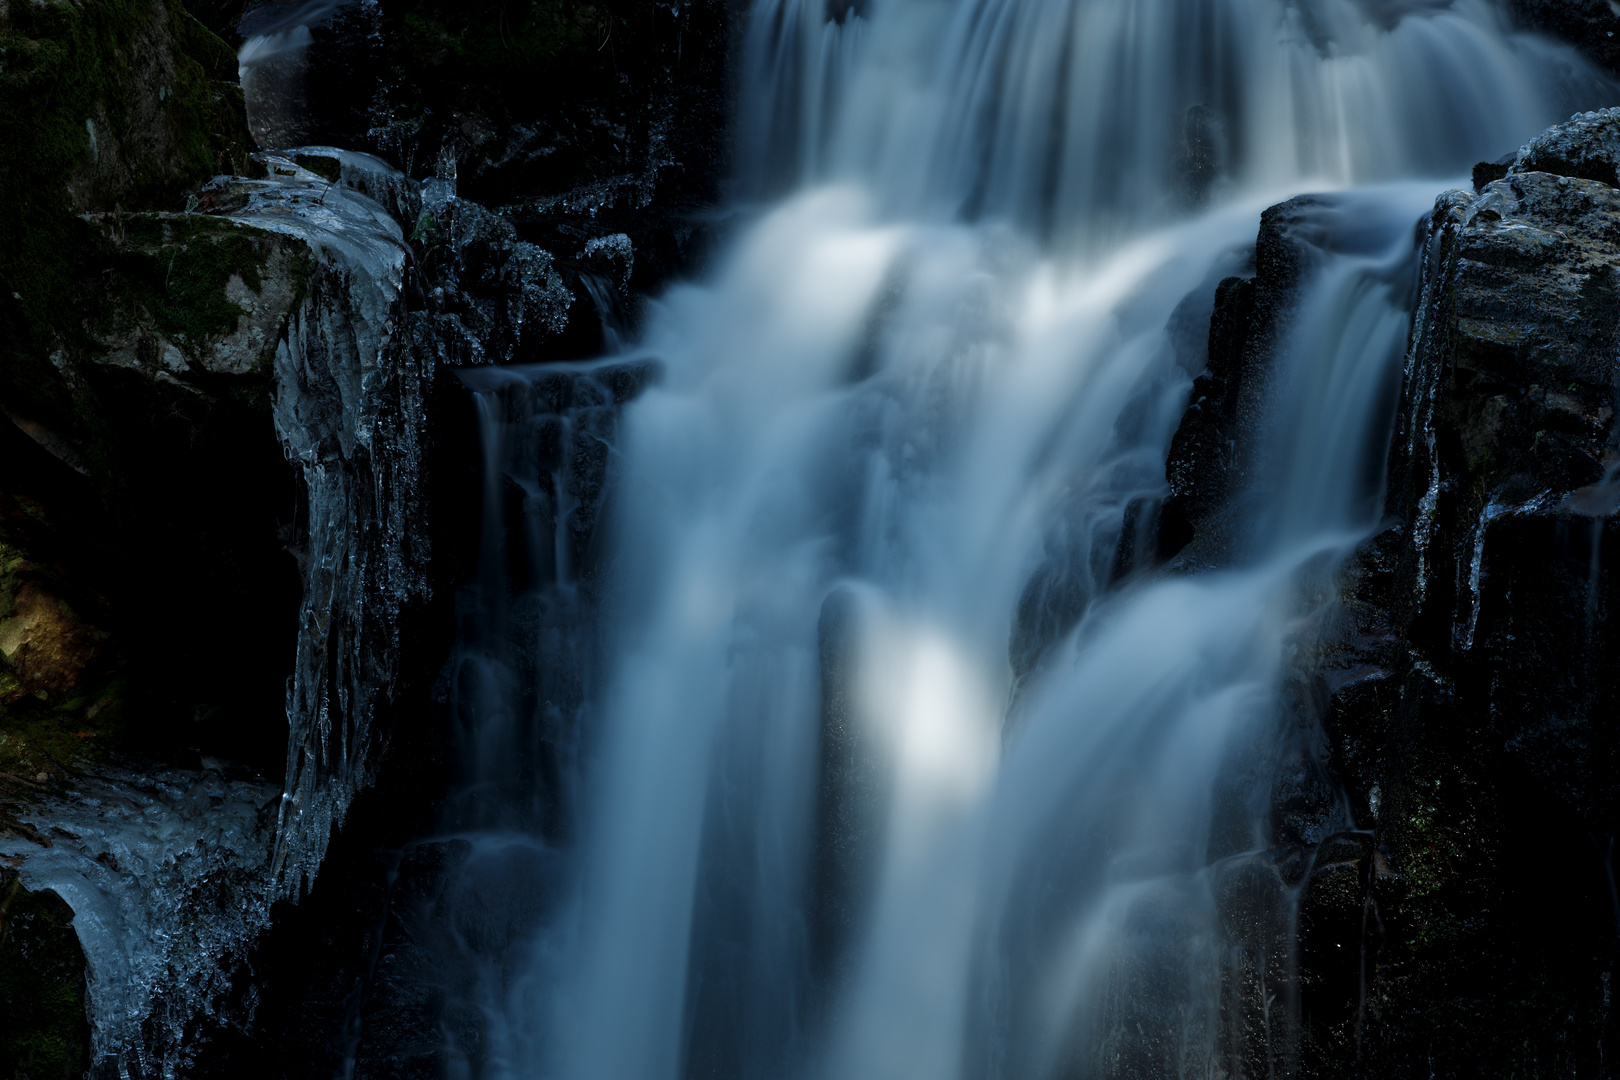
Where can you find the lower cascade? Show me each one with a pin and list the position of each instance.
(1080, 568)
(876, 722)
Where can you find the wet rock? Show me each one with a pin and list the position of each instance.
(134, 121)
(164, 877)
(1464, 698)
(1255, 907)
(1211, 464)
(211, 338)
(488, 297)
(1590, 25)
(581, 121)
(192, 295)
(1587, 148)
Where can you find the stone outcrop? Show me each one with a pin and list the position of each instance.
(1211, 468)
(573, 121)
(1470, 693)
(134, 361)
(1453, 717)
(181, 322)
(283, 306)
(137, 455)
(41, 984)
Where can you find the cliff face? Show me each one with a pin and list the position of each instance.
(1456, 704)
(284, 299)
(209, 516)
(1470, 695)
(134, 382)
(120, 462)
(573, 120)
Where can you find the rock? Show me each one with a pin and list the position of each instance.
(194, 294)
(1586, 148)
(179, 322)
(1456, 702)
(1467, 697)
(163, 875)
(1590, 25)
(579, 121)
(41, 984)
(1254, 906)
(208, 340)
(489, 298)
(45, 644)
(132, 122)
(1211, 463)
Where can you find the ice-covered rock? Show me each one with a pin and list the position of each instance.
(166, 873)
(1588, 148)
(492, 298)
(171, 876)
(350, 412)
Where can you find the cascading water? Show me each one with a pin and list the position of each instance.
(871, 748)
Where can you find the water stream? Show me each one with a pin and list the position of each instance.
(822, 714)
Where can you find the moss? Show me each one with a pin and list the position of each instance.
(427, 231)
(176, 267)
(329, 168)
(74, 81)
(42, 985)
(61, 735)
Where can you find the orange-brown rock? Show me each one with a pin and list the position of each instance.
(45, 644)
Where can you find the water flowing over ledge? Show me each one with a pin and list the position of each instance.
(849, 687)
(906, 756)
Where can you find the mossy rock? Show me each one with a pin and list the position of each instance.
(103, 104)
(62, 692)
(191, 295)
(44, 1033)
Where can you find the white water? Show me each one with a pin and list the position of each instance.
(822, 827)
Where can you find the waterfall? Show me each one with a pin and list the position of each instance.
(826, 714)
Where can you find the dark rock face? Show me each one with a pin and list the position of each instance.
(41, 985)
(146, 599)
(577, 120)
(377, 970)
(1591, 25)
(119, 103)
(1467, 692)
(134, 383)
(163, 570)
(1444, 810)
(1212, 465)
(1305, 887)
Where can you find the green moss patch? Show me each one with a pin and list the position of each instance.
(176, 267)
(78, 89)
(45, 1032)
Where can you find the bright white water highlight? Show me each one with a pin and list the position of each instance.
(895, 761)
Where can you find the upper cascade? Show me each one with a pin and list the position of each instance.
(1087, 119)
